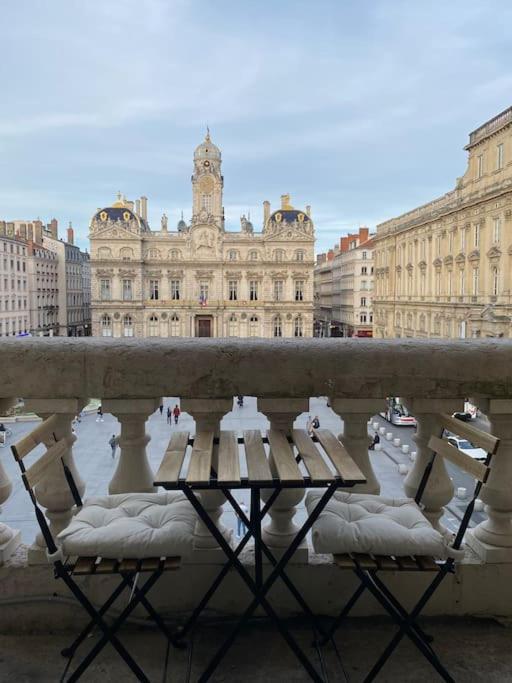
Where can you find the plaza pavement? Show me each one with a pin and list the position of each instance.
(96, 466)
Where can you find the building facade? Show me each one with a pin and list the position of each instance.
(201, 280)
(14, 291)
(444, 269)
(43, 277)
(344, 287)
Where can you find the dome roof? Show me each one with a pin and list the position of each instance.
(289, 215)
(181, 225)
(207, 150)
(115, 213)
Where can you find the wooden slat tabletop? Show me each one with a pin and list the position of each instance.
(318, 470)
(201, 459)
(258, 468)
(287, 469)
(229, 465)
(169, 470)
(346, 467)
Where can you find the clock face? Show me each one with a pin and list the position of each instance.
(206, 163)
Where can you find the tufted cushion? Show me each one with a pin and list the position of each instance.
(131, 525)
(363, 523)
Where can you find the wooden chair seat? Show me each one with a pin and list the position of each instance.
(421, 563)
(98, 565)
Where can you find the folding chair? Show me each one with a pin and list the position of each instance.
(123, 534)
(371, 534)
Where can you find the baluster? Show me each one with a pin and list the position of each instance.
(53, 492)
(133, 473)
(439, 490)
(208, 414)
(492, 538)
(9, 538)
(355, 414)
(281, 529)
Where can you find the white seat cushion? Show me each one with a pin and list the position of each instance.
(131, 525)
(363, 523)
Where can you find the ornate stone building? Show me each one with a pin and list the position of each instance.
(200, 279)
(445, 268)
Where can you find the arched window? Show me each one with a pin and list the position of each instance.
(253, 326)
(298, 327)
(253, 255)
(437, 325)
(174, 254)
(128, 326)
(104, 253)
(409, 321)
(279, 255)
(422, 322)
(175, 326)
(126, 253)
(232, 326)
(153, 326)
(154, 253)
(278, 326)
(299, 255)
(232, 255)
(448, 328)
(206, 202)
(106, 325)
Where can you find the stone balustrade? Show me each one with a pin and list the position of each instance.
(56, 375)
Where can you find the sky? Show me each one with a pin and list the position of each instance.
(360, 109)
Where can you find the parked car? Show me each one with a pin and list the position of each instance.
(463, 417)
(470, 412)
(467, 447)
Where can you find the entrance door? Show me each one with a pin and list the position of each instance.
(203, 326)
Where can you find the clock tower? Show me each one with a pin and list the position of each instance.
(207, 184)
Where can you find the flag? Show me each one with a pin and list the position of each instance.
(202, 299)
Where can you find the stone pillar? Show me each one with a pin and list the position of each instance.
(439, 490)
(9, 538)
(281, 529)
(208, 414)
(355, 413)
(133, 473)
(53, 492)
(492, 538)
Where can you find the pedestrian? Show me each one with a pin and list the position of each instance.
(240, 401)
(113, 445)
(161, 409)
(169, 414)
(176, 412)
(99, 415)
(241, 527)
(376, 440)
(309, 426)
(316, 423)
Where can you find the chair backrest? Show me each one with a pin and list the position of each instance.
(38, 470)
(476, 468)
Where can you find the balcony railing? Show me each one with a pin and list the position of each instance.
(59, 375)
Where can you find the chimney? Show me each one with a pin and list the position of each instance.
(285, 202)
(38, 232)
(344, 242)
(2, 228)
(363, 235)
(308, 211)
(71, 234)
(137, 207)
(30, 232)
(330, 255)
(266, 212)
(144, 208)
(54, 229)
(23, 230)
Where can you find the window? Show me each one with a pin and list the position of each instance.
(299, 290)
(450, 281)
(495, 281)
(203, 293)
(153, 289)
(206, 202)
(253, 326)
(128, 326)
(253, 290)
(363, 285)
(299, 255)
(232, 326)
(438, 283)
(175, 325)
(279, 255)
(364, 270)
(371, 316)
(362, 317)
(450, 242)
(499, 157)
(479, 166)
(127, 291)
(106, 325)
(462, 239)
(233, 290)
(232, 255)
(278, 291)
(253, 255)
(423, 279)
(363, 301)
(105, 292)
(477, 235)
(298, 327)
(462, 282)
(278, 326)
(175, 290)
(126, 253)
(475, 281)
(497, 230)
(364, 255)
(153, 326)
